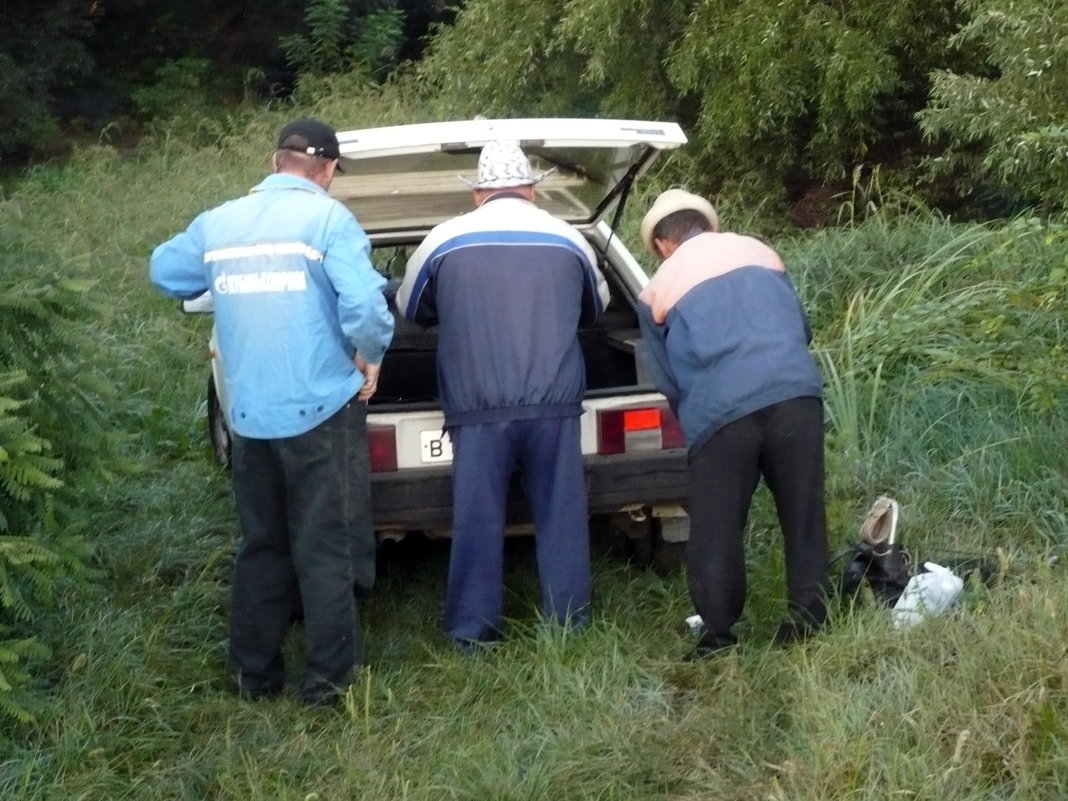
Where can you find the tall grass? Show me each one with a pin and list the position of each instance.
(940, 347)
(942, 352)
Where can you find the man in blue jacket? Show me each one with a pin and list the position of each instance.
(728, 345)
(509, 286)
(302, 326)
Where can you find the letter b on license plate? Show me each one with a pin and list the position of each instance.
(436, 447)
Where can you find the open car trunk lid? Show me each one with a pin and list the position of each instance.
(401, 181)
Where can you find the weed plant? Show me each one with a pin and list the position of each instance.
(941, 348)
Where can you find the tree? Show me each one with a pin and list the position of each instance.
(40, 55)
(338, 41)
(781, 96)
(83, 65)
(1005, 119)
(808, 91)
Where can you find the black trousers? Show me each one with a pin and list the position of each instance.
(784, 444)
(304, 505)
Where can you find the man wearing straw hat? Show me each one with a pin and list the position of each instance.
(728, 345)
(509, 286)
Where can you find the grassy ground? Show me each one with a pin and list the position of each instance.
(942, 349)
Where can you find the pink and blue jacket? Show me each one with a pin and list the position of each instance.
(724, 333)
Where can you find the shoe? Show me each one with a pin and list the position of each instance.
(474, 647)
(322, 695)
(793, 630)
(709, 646)
(257, 693)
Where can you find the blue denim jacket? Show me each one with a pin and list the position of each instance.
(729, 346)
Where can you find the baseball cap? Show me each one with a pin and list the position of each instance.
(311, 136)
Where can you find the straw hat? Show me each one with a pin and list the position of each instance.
(668, 203)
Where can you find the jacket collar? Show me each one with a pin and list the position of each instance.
(287, 180)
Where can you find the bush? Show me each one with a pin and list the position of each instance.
(1004, 121)
(774, 94)
(337, 43)
(51, 427)
(784, 97)
(40, 55)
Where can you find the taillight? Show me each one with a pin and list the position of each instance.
(382, 444)
(644, 428)
(671, 430)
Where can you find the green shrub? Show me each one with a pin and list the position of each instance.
(1004, 120)
(773, 94)
(181, 86)
(29, 565)
(41, 55)
(780, 97)
(53, 425)
(337, 43)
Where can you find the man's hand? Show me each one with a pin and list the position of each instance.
(370, 378)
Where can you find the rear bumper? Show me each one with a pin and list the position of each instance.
(422, 499)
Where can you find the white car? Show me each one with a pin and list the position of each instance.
(403, 180)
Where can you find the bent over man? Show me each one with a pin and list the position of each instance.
(728, 345)
(509, 285)
(302, 326)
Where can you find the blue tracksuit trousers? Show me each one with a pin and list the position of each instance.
(548, 454)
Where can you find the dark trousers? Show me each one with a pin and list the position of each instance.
(549, 456)
(304, 505)
(784, 444)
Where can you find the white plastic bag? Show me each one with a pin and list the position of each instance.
(927, 595)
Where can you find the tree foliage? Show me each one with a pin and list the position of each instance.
(338, 41)
(40, 55)
(1006, 119)
(482, 66)
(802, 89)
(777, 95)
(765, 87)
(52, 425)
(83, 67)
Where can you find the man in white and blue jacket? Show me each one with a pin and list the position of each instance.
(509, 285)
(302, 327)
(727, 341)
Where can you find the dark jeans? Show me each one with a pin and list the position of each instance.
(784, 444)
(304, 504)
(549, 455)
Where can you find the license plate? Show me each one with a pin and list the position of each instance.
(436, 446)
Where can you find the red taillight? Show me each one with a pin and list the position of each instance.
(382, 443)
(640, 429)
(671, 430)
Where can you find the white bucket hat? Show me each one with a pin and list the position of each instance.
(668, 203)
(503, 163)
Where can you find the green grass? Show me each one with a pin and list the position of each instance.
(946, 388)
(963, 707)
